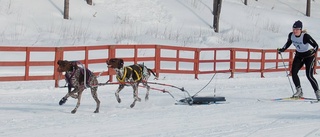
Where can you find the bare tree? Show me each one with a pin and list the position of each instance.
(308, 12)
(66, 9)
(216, 13)
(89, 2)
(245, 2)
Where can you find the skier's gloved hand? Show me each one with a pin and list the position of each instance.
(280, 50)
(313, 51)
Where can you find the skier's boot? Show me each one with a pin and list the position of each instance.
(298, 94)
(317, 94)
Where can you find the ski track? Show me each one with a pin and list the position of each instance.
(31, 109)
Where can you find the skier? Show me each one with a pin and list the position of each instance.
(306, 48)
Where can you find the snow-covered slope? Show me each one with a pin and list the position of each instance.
(261, 24)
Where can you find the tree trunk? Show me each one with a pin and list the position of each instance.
(216, 13)
(66, 9)
(308, 12)
(89, 2)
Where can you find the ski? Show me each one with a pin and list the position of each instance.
(290, 99)
(314, 101)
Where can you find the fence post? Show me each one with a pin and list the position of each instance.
(135, 58)
(178, 59)
(248, 60)
(27, 64)
(263, 61)
(290, 61)
(56, 74)
(86, 57)
(277, 60)
(158, 56)
(111, 54)
(196, 63)
(215, 60)
(232, 62)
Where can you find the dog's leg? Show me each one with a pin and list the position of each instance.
(73, 95)
(78, 103)
(144, 82)
(64, 99)
(133, 103)
(121, 86)
(95, 97)
(148, 88)
(135, 94)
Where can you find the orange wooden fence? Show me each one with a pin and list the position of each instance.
(181, 60)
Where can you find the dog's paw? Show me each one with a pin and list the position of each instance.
(96, 111)
(119, 100)
(132, 105)
(62, 101)
(73, 111)
(146, 98)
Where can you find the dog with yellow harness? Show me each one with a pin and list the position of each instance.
(131, 75)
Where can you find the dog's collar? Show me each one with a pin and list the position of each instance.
(121, 74)
(69, 75)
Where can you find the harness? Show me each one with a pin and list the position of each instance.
(122, 79)
(69, 76)
(304, 55)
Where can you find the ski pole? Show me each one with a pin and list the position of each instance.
(286, 72)
(205, 85)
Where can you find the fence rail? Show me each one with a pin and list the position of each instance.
(185, 60)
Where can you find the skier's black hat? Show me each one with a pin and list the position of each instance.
(297, 25)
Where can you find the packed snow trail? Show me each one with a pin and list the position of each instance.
(31, 109)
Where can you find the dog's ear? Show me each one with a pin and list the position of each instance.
(59, 61)
(120, 63)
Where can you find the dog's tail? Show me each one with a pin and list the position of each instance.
(150, 70)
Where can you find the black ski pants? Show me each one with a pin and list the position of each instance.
(297, 64)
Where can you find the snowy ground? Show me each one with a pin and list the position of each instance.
(31, 109)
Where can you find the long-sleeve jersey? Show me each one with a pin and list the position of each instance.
(302, 42)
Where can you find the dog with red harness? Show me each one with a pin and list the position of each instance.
(78, 79)
(131, 75)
